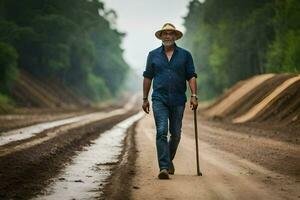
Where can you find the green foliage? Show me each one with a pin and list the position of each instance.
(67, 40)
(6, 103)
(283, 55)
(99, 90)
(8, 63)
(232, 40)
(291, 62)
(110, 66)
(216, 62)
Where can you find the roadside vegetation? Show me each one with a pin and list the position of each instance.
(232, 40)
(71, 42)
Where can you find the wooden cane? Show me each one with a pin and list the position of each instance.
(196, 138)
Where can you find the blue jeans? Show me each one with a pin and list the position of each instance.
(166, 149)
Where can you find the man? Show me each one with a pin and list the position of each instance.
(170, 67)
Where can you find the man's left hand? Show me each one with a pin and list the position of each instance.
(193, 103)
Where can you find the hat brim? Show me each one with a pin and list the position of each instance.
(178, 34)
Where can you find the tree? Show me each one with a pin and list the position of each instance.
(232, 40)
(66, 40)
(8, 69)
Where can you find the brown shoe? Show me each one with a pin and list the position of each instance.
(163, 174)
(172, 168)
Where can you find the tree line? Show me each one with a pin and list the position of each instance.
(72, 41)
(232, 40)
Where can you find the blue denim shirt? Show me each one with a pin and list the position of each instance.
(169, 77)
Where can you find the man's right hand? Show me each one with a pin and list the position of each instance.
(146, 106)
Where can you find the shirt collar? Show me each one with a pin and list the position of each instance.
(162, 49)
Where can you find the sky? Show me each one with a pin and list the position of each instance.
(140, 19)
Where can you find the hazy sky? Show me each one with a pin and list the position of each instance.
(139, 19)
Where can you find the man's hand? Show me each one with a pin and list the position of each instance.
(146, 106)
(193, 103)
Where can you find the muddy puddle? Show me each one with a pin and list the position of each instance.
(86, 175)
(30, 131)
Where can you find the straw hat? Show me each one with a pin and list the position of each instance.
(168, 27)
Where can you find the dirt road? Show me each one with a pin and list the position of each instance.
(70, 161)
(236, 165)
(31, 157)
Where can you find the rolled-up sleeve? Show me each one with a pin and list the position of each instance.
(190, 68)
(149, 71)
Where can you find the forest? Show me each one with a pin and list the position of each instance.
(232, 40)
(73, 42)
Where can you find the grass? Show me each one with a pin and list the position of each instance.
(6, 103)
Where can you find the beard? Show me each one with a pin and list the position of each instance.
(168, 43)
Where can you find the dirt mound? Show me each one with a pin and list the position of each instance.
(232, 98)
(32, 92)
(226, 94)
(267, 101)
(283, 108)
(264, 99)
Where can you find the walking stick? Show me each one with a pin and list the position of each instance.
(196, 138)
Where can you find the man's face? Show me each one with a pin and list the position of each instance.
(168, 38)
